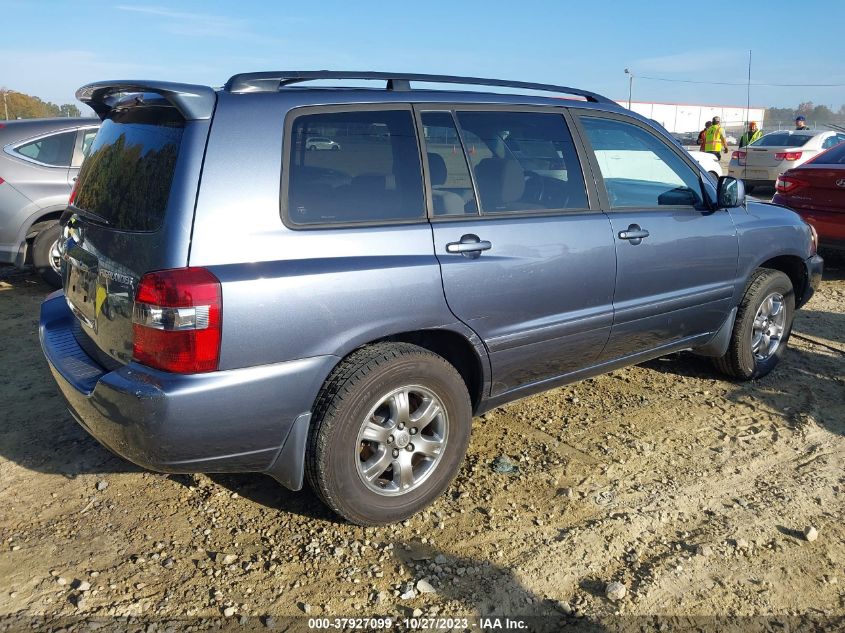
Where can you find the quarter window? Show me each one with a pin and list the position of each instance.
(55, 150)
(523, 161)
(451, 185)
(638, 169)
(352, 167)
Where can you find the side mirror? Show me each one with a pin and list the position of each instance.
(731, 192)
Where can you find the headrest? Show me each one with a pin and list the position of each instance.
(437, 172)
(504, 180)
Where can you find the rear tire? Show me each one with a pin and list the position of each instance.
(762, 327)
(45, 255)
(372, 459)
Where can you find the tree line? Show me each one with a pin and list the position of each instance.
(816, 115)
(17, 105)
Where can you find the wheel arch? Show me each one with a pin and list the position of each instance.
(793, 267)
(458, 350)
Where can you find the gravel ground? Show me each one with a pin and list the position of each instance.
(656, 490)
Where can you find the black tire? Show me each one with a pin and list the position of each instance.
(740, 361)
(357, 385)
(42, 247)
(311, 148)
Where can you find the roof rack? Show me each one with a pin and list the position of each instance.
(273, 80)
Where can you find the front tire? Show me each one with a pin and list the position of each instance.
(390, 430)
(762, 327)
(45, 255)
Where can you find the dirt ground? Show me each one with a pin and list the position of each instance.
(691, 491)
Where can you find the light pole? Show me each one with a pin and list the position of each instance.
(630, 85)
(5, 105)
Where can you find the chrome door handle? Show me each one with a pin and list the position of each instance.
(469, 246)
(633, 234)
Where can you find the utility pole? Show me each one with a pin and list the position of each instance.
(5, 105)
(630, 85)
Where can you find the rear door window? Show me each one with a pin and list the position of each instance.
(365, 168)
(55, 150)
(126, 178)
(451, 185)
(523, 161)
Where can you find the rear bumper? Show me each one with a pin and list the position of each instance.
(227, 421)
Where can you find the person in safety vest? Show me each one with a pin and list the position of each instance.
(701, 135)
(801, 123)
(751, 135)
(714, 139)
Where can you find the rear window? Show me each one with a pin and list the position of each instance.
(125, 181)
(833, 156)
(782, 139)
(354, 167)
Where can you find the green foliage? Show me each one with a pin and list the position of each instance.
(23, 106)
(817, 116)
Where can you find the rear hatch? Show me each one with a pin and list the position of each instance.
(130, 213)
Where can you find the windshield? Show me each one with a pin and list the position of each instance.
(834, 156)
(125, 180)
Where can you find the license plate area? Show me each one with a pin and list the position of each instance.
(81, 290)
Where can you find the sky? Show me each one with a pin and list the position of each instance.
(50, 48)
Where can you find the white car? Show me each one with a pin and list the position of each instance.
(761, 162)
(321, 142)
(708, 162)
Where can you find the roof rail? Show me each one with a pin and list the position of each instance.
(272, 81)
(194, 102)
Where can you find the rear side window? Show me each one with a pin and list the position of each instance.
(835, 156)
(354, 167)
(55, 150)
(523, 161)
(126, 178)
(782, 139)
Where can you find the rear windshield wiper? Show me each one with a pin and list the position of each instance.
(89, 215)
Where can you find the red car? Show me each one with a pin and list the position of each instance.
(816, 190)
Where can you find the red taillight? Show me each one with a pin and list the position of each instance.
(739, 155)
(2, 181)
(787, 184)
(73, 192)
(177, 320)
(788, 155)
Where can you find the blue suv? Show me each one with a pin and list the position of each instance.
(235, 301)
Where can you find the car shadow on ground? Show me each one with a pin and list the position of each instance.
(491, 593)
(813, 390)
(265, 491)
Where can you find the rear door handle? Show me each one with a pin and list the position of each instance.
(470, 246)
(633, 234)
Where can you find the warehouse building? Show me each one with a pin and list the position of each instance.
(682, 118)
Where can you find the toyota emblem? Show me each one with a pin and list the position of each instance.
(841, 183)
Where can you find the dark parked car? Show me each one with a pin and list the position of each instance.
(38, 166)
(816, 190)
(235, 302)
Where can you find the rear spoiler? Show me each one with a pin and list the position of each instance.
(194, 102)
